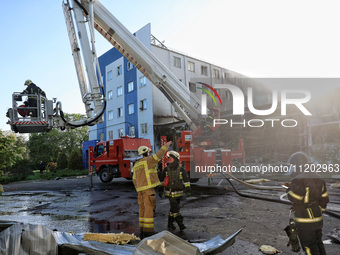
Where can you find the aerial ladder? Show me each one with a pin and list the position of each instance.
(188, 106)
(82, 18)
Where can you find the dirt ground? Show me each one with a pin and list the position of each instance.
(69, 205)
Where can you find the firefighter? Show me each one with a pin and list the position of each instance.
(145, 180)
(32, 100)
(175, 180)
(309, 196)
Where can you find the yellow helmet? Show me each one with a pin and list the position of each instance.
(143, 149)
(173, 153)
(28, 82)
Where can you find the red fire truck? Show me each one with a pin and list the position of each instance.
(115, 158)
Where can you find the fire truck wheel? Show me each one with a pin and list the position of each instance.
(105, 175)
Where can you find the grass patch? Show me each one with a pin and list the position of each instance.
(46, 175)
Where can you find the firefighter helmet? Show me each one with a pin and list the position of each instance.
(173, 154)
(28, 82)
(143, 149)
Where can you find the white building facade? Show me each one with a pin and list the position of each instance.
(134, 106)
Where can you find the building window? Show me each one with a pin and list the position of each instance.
(144, 128)
(120, 132)
(120, 112)
(130, 86)
(191, 66)
(142, 81)
(119, 91)
(216, 74)
(109, 95)
(143, 105)
(129, 66)
(110, 135)
(109, 75)
(131, 108)
(119, 70)
(177, 62)
(101, 136)
(204, 70)
(131, 131)
(192, 87)
(110, 115)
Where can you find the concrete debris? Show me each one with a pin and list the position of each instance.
(165, 243)
(335, 185)
(267, 249)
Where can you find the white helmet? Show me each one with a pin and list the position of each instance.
(143, 149)
(173, 153)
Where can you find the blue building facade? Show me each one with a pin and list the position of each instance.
(129, 110)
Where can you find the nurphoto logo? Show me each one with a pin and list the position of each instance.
(283, 97)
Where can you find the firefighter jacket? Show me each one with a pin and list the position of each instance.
(145, 174)
(178, 181)
(309, 196)
(34, 89)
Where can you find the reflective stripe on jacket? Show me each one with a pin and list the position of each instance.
(309, 196)
(145, 174)
(178, 181)
(34, 89)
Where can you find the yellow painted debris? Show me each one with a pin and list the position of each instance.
(121, 238)
(257, 181)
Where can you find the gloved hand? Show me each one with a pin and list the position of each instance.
(188, 194)
(293, 237)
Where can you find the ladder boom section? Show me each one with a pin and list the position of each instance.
(145, 61)
(84, 54)
(77, 58)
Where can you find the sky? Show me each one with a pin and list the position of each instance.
(262, 38)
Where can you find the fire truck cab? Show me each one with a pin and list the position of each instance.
(115, 158)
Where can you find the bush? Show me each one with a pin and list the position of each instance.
(62, 160)
(20, 170)
(52, 167)
(75, 160)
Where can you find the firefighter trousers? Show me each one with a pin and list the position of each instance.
(175, 213)
(311, 241)
(147, 206)
(174, 204)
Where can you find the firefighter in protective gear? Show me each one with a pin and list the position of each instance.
(309, 196)
(176, 181)
(32, 100)
(145, 180)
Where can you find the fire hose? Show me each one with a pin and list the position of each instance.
(227, 176)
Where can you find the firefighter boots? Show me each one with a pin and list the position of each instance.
(171, 225)
(179, 220)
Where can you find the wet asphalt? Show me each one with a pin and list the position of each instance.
(73, 205)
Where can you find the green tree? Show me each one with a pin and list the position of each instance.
(47, 146)
(62, 161)
(12, 149)
(75, 160)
